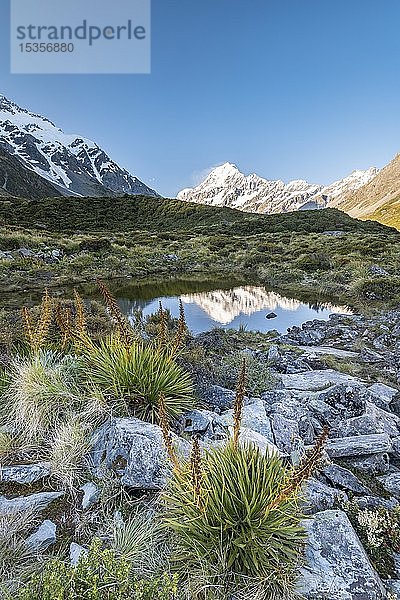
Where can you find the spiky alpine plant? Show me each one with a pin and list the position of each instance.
(225, 534)
(138, 374)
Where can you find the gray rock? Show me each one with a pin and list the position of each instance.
(393, 586)
(346, 401)
(321, 497)
(25, 252)
(359, 445)
(91, 494)
(381, 395)
(273, 355)
(286, 431)
(42, 538)
(34, 502)
(372, 502)
(248, 436)
(134, 450)
(271, 315)
(24, 474)
(338, 567)
(364, 425)
(344, 478)
(377, 270)
(391, 483)
(376, 464)
(75, 552)
(198, 421)
(317, 380)
(219, 397)
(6, 256)
(254, 417)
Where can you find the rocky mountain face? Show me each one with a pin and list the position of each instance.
(227, 186)
(72, 164)
(16, 180)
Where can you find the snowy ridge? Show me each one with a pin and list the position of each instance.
(74, 164)
(227, 186)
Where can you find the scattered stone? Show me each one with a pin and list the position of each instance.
(34, 502)
(286, 431)
(219, 397)
(359, 445)
(24, 474)
(134, 450)
(249, 436)
(25, 253)
(75, 552)
(91, 494)
(42, 538)
(344, 479)
(381, 395)
(317, 381)
(321, 497)
(198, 421)
(377, 270)
(377, 464)
(338, 567)
(254, 417)
(372, 502)
(391, 483)
(345, 400)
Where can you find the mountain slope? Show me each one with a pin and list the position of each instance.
(227, 186)
(378, 199)
(73, 164)
(16, 180)
(150, 214)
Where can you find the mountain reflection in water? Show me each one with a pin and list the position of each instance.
(239, 306)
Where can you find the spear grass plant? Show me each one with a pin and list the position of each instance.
(137, 374)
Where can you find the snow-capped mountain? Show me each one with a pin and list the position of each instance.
(227, 186)
(71, 163)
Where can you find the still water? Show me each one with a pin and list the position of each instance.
(219, 306)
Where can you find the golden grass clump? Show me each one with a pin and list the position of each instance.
(36, 335)
(122, 325)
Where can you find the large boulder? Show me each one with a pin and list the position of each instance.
(391, 483)
(319, 496)
(254, 417)
(135, 450)
(318, 380)
(337, 566)
(344, 479)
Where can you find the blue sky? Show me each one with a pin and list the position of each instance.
(286, 88)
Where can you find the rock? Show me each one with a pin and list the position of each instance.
(24, 474)
(219, 397)
(135, 450)
(359, 445)
(372, 502)
(317, 380)
(254, 417)
(377, 464)
(273, 356)
(91, 494)
(345, 401)
(172, 257)
(381, 395)
(42, 538)
(34, 502)
(75, 552)
(391, 483)
(364, 425)
(198, 421)
(6, 256)
(285, 431)
(321, 497)
(25, 253)
(338, 567)
(337, 233)
(271, 315)
(377, 270)
(344, 478)
(249, 436)
(313, 351)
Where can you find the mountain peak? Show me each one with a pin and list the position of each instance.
(74, 164)
(227, 186)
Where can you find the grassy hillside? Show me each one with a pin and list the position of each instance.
(155, 214)
(389, 213)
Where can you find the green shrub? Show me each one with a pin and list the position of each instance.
(138, 375)
(230, 537)
(259, 377)
(379, 288)
(99, 575)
